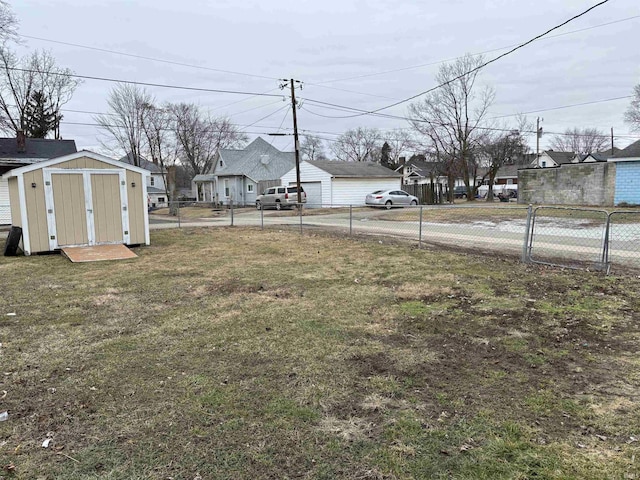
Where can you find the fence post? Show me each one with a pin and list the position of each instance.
(351, 220)
(605, 245)
(527, 234)
(420, 230)
(231, 205)
(261, 218)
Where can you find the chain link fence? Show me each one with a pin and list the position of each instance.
(560, 236)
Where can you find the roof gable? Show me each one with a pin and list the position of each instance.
(258, 161)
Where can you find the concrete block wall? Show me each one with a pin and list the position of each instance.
(590, 184)
(627, 183)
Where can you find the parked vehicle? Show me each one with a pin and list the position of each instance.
(460, 191)
(280, 197)
(389, 198)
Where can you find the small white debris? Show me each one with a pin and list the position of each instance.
(4, 416)
(12, 314)
(46, 443)
(93, 388)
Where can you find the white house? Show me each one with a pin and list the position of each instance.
(334, 184)
(551, 158)
(156, 182)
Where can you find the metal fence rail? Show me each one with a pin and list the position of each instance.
(559, 236)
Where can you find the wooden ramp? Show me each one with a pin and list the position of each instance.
(97, 253)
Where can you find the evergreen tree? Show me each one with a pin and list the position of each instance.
(40, 117)
(385, 156)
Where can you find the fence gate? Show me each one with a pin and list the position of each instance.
(623, 239)
(569, 237)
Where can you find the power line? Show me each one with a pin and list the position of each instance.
(145, 84)
(142, 57)
(437, 62)
(565, 106)
(475, 69)
(409, 119)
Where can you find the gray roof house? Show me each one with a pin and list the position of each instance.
(20, 151)
(551, 158)
(239, 175)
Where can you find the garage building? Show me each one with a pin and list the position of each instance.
(79, 199)
(334, 184)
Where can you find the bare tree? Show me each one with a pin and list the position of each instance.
(8, 23)
(359, 145)
(124, 121)
(22, 78)
(577, 140)
(632, 115)
(200, 136)
(450, 118)
(312, 148)
(500, 148)
(400, 142)
(160, 143)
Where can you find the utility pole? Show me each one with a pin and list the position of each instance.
(538, 135)
(612, 141)
(292, 83)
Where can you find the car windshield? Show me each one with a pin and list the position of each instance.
(376, 192)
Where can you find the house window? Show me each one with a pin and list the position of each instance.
(221, 163)
(160, 199)
(544, 163)
(152, 181)
(249, 187)
(226, 187)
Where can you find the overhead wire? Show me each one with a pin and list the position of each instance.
(438, 62)
(142, 57)
(475, 69)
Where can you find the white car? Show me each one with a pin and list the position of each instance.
(390, 198)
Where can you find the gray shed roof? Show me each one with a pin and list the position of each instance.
(355, 169)
(632, 150)
(259, 161)
(144, 163)
(36, 149)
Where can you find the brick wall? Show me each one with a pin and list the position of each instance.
(627, 183)
(569, 184)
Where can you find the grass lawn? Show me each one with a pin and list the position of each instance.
(240, 354)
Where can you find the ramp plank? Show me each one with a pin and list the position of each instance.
(98, 253)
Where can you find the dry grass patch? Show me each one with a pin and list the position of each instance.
(237, 353)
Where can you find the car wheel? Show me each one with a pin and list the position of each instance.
(388, 205)
(258, 206)
(414, 203)
(278, 206)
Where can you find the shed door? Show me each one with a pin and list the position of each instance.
(70, 209)
(86, 207)
(107, 209)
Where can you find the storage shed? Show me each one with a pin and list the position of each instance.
(334, 184)
(79, 199)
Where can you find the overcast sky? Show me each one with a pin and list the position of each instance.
(331, 40)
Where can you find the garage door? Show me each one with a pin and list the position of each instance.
(5, 210)
(314, 194)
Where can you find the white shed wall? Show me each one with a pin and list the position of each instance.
(353, 191)
(5, 210)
